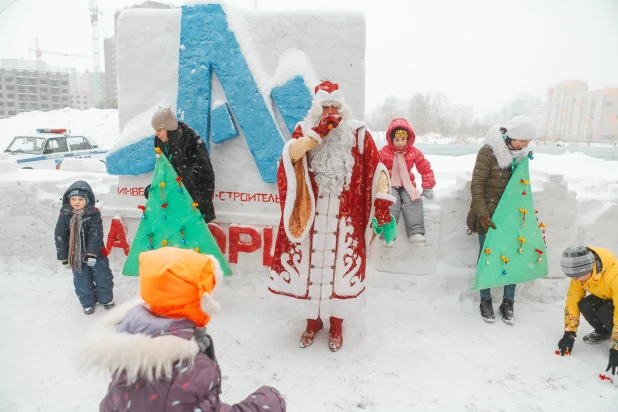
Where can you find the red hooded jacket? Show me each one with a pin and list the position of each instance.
(411, 154)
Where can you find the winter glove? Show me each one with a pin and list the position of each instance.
(487, 223)
(91, 260)
(566, 343)
(146, 191)
(326, 125)
(65, 264)
(613, 361)
(428, 193)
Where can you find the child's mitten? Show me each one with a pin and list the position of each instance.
(92, 260)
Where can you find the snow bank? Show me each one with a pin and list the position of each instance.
(100, 124)
(137, 128)
(32, 202)
(426, 329)
(83, 165)
(574, 195)
(7, 163)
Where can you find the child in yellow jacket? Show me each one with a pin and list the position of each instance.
(594, 271)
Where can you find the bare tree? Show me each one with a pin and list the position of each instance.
(444, 125)
(438, 101)
(418, 113)
(381, 116)
(479, 129)
(421, 111)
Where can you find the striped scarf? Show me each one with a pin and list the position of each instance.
(77, 245)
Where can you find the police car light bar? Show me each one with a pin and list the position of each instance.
(56, 131)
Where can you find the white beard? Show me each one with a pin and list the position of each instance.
(332, 160)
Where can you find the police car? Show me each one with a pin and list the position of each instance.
(48, 147)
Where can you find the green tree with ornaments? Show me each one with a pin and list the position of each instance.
(171, 218)
(511, 238)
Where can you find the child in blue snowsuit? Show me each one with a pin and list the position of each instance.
(79, 246)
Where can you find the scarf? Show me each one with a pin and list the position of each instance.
(401, 176)
(77, 245)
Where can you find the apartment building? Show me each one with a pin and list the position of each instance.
(573, 113)
(27, 90)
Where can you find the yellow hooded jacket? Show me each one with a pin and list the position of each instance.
(603, 285)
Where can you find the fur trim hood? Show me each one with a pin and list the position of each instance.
(503, 154)
(124, 340)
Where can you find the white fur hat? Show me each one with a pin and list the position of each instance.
(328, 92)
(521, 128)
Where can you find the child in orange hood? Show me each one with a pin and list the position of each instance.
(157, 351)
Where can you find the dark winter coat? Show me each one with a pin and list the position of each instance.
(187, 153)
(492, 172)
(162, 365)
(92, 225)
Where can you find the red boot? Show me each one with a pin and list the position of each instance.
(313, 327)
(335, 336)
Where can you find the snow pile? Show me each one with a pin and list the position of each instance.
(7, 163)
(138, 128)
(417, 336)
(83, 165)
(100, 124)
(294, 63)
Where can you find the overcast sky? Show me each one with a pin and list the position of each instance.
(480, 52)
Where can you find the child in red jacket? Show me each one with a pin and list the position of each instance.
(400, 156)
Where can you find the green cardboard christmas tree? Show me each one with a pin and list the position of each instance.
(171, 218)
(514, 252)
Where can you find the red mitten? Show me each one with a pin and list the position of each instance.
(383, 210)
(326, 125)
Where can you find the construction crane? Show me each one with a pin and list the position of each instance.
(8, 5)
(39, 52)
(94, 34)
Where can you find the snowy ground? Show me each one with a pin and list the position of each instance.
(419, 345)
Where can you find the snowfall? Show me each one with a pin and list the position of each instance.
(418, 344)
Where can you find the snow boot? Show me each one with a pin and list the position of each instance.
(335, 335)
(89, 310)
(596, 337)
(109, 305)
(313, 327)
(507, 312)
(487, 310)
(418, 239)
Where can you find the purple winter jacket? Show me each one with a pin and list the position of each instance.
(162, 365)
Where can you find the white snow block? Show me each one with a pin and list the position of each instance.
(458, 248)
(557, 208)
(83, 165)
(407, 258)
(597, 223)
(7, 163)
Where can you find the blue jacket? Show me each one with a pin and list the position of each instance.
(92, 225)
